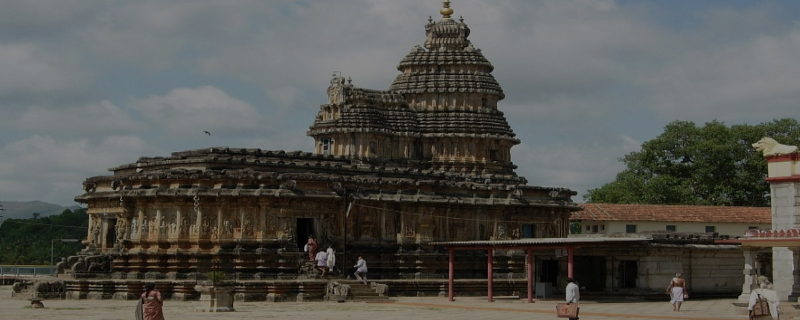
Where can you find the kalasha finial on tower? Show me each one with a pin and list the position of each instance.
(446, 11)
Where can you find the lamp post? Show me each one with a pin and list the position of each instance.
(52, 251)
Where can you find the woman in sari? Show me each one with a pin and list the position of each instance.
(151, 303)
(312, 247)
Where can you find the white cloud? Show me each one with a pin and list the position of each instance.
(31, 73)
(753, 79)
(585, 81)
(187, 112)
(51, 169)
(579, 167)
(97, 119)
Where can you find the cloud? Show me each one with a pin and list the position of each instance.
(740, 81)
(30, 73)
(187, 112)
(154, 35)
(45, 20)
(97, 119)
(578, 167)
(45, 167)
(585, 81)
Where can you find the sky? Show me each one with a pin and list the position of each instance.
(87, 85)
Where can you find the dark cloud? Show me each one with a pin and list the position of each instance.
(87, 85)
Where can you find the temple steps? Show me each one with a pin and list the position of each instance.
(361, 292)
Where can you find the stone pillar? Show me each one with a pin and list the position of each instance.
(179, 221)
(140, 224)
(261, 228)
(610, 284)
(238, 233)
(793, 297)
(783, 175)
(383, 233)
(750, 278)
(785, 215)
(160, 224)
(219, 224)
(198, 222)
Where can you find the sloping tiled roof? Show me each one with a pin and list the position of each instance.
(669, 213)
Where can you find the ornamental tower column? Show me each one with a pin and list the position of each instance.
(783, 166)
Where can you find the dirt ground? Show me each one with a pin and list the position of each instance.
(413, 308)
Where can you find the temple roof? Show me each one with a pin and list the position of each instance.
(672, 213)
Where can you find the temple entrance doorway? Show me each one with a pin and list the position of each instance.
(628, 271)
(305, 228)
(764, 264)
(590, 272)
(111, 235)
(549, 272)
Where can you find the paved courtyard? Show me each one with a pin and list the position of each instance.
(405, 308)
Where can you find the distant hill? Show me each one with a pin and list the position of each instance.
(25, 210)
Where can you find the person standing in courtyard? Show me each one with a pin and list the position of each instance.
(764, 291)
(312, 246)
(322, 262)
(331, 258)
(676, 290)
(573, 293)
(152, 303)
(361, 270)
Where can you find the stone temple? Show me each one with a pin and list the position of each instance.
(391, 171)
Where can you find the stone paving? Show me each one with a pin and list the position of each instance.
(415, 308)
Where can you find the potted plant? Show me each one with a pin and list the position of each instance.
(216, 277)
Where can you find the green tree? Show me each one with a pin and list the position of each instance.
(575, 227)
(28, 241)
(710, 165)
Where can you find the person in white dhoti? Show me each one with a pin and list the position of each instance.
(676, 290)
(765, 291)
(331, 258)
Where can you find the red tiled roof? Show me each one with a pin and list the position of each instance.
(672, 213)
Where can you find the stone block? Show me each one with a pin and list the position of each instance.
(126, 296)
(94, 295)
(36, 303)
(275, 297)
(382, 289)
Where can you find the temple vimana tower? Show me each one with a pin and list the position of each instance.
(391, 170)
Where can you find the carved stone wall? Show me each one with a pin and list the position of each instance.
(440, 112)
(392, 170)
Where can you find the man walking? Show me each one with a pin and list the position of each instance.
(573, 293)
(322, 262)
(361, 270)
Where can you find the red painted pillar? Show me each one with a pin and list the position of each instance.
(570, 252)
(529, 262)
(490, 276)
(451, 274)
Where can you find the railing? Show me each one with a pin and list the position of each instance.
(26, 271)
(786, 233)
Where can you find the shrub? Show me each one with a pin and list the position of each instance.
(216, 276)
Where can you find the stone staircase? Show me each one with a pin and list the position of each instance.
(361, 292)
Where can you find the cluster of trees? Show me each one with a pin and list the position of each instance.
(28, 241)
(690, 165)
